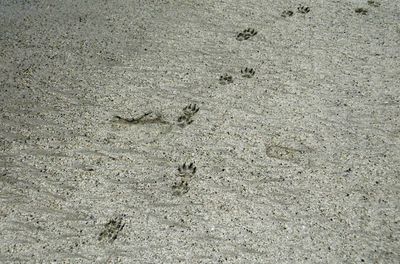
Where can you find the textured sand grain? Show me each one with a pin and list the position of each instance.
(298, 164)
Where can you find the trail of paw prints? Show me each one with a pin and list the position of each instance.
(187, 117)
(244, 72)
(111, 229)
(185, 173)
(300, 9)
(246, 34)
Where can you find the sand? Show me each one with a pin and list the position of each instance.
(292, 160)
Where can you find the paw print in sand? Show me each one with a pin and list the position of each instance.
(188, 112)
(373, 3)
(185, 172)
(287, 13)
(361, 11)
(246, 34)
(247, 72)
(225, 79)
(303, 9)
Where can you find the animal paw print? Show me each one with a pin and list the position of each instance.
(287, 13)
(361, 11)
(181, 187)
(188, 112)
(247, 72)
(225, 79)
(185, 172)
(303, 9)
(246, 34)
(112, 229)
(373, 3)
(184, 121)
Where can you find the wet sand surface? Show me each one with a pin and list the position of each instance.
(199, 131)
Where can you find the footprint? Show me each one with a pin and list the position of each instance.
(361, 11)
(247, 72)
(373, 3)
(185, 172)
(303, 9)
(246, 34)
(287, 13)
(225, 79)
(188, 112)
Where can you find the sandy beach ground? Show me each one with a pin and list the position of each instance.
(247, 131)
